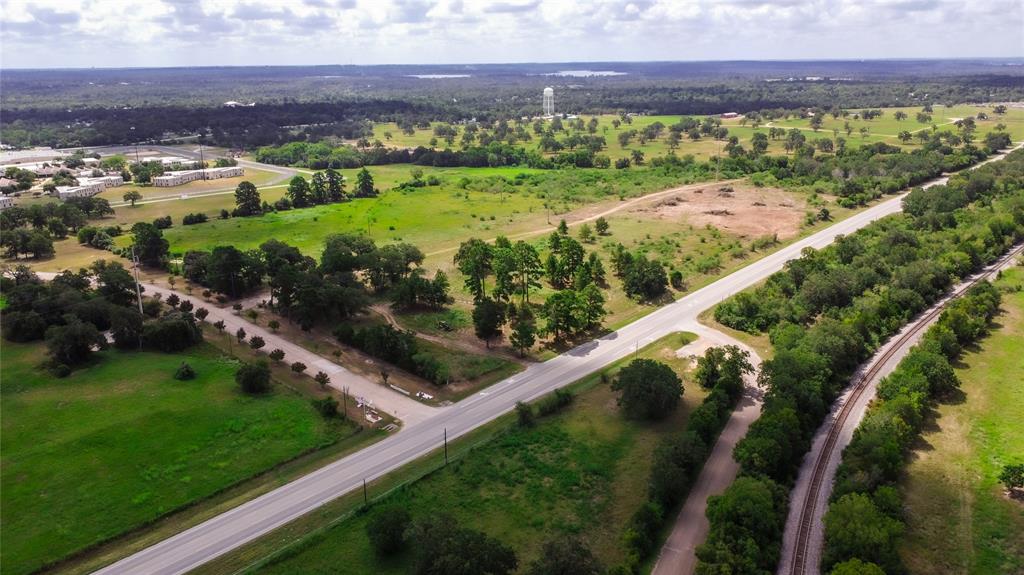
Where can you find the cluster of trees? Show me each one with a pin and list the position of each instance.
(577, 305)
(864, 521)
(396, 347)
(679, 459)
(826, 312)
(31, 231)
(642, 279)
(71, 314)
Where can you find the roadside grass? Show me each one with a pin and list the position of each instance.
(959, 519)
(120, 443)
(582, 471)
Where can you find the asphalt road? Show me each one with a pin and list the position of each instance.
(248, 521)
(221, 534)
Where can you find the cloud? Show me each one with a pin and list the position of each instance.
(255, 32)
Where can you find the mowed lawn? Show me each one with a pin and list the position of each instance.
(583, 471)
(958, 518)
(120, 442)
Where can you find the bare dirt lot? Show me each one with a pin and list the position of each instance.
(739, 209)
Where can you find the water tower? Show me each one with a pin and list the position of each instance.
(549, 101)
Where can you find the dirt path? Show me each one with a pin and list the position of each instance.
(473, 347)
(583, 216)
(678, 554)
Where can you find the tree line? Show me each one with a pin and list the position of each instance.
(828, 311)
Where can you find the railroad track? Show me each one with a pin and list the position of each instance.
(799, 565)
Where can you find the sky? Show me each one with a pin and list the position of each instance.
(157, 33)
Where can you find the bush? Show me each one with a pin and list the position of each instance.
(554, 402)
(173, 332)
(524, 414)
(253, 378)
(298, 367)
(191, 219)
(386, 530)
(277, 354)
(163, 223)
(327, 407)
(184, 372)
(23, 326)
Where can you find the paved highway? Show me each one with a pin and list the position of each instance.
(248, 521)
(208, 540)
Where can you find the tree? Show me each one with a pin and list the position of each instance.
(650, 389)
(322, 378)
(856, 527)
(561, 314)
(274, 325)
(298, 367)
(318, 188)
(240, 334)
(445, 548)
(386, 530)
(474, 260)
(253, 378)
(899, 115)
(336, 186)
(488, 317)
(563, 228)
(524, 330)
(233, 272)
(247, 200)
(132, 196)
(73, 343)
(364, 184)
(1012, 476)
(586, 234)
(277, 355)
(905, 136)
(856, 566)
(566, 555)
(172, 332)
(256, 343)
(298, 192)
(601, 225)
(219, 325)
(527, 269)
(150, 246)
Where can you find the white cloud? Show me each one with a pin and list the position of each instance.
(47, 33)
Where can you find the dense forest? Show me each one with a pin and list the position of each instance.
(68, 108)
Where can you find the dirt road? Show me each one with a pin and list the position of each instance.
(677, 555)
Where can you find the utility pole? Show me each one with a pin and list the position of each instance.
(202, 162)
(365, 498)
(138, 289)
(446, 446)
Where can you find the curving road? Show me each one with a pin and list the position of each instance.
(248, 521)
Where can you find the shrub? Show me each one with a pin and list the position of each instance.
(277, 354)
(298, 367)
(171, 333)
(524, 414)
(253, 378)
(184, 372)
(327, 407)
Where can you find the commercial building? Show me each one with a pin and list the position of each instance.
(180, 177)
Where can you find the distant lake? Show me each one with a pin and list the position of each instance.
(438, 76)
(585, 73)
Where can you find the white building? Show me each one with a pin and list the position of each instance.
(107, 181)
(6, 202)
(180, 177)
(80, 191)
(167, 160)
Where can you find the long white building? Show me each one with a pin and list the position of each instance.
(180, 177)
(88, 187)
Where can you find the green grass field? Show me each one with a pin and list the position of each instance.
(583, 471)
(958, 518)
(120, 443)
